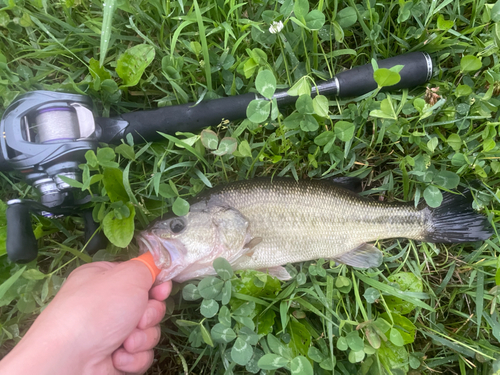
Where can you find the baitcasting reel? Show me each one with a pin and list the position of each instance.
(45, 135)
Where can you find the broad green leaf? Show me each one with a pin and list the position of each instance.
(272, 362)
(354, 341)
(308, 123)
(385, 77)
(495, 12)
(407, 282)
(258, 110)
(356, 356)
(344, 130)
(265, 83)
(320, 105)
(302, 86)
(226, 292)
(463, 90)
(488, 145)
(300, 338)
(180, 207)
(470, 63)
(206, 335)
(342, 343)
(210, 287)
(221, 333)
(131, 64)
(304, 104)
(323, 138)
(241, 352)
(223, 268)
(248, 335)
(443, 24)
(371, 295)
(372, 337)
(245, 309)
(190, 292)
(455, 141)
(209, 307)
(227, 145)
(393, 357)
(71, 182)
(113, 183)
(119, 232)
(301, 366)
(432, 144)
(209, 139)
(126, 151)
(301, 8)
(433, 196)
(225, 316)
(346, 17)
(405, 327)
(293, 121)
(265, 322)
(245, 149)
(447, 179)
(34, 274)
(315, 19)
(315, 354)
(395, 337)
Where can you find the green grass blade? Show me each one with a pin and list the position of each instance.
(107, 20)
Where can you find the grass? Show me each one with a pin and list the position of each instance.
(328, 316)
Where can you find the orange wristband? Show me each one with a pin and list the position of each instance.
(147, 259)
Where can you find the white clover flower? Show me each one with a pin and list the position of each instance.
(276, 27)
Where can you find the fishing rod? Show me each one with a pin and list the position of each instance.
(46, 135)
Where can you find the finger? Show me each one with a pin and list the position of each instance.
(153, 314)
(142, 339)
(135, 363)
(162, 291)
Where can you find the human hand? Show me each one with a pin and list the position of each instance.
(104, 320)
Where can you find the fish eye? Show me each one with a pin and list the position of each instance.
(177, 225)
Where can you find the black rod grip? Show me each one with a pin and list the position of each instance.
(21, 244)
(358, 81)
(145, 125)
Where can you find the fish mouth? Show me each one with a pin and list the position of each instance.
(167, 254)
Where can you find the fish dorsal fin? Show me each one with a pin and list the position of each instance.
(363, 256)
(349, 183)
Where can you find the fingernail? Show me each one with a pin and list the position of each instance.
(125, 359)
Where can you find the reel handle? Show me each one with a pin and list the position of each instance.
(22, 246)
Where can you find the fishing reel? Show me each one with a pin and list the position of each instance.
(45, 136)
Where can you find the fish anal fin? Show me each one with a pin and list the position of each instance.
(279, 272)
(363, 256)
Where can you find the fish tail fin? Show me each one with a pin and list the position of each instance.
(456, 221)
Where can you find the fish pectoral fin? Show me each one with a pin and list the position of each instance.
(363, 256)
(279, 272)
(252, 243)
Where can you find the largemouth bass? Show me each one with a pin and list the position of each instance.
(264, 224)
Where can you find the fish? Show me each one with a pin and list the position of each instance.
(264, 223)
